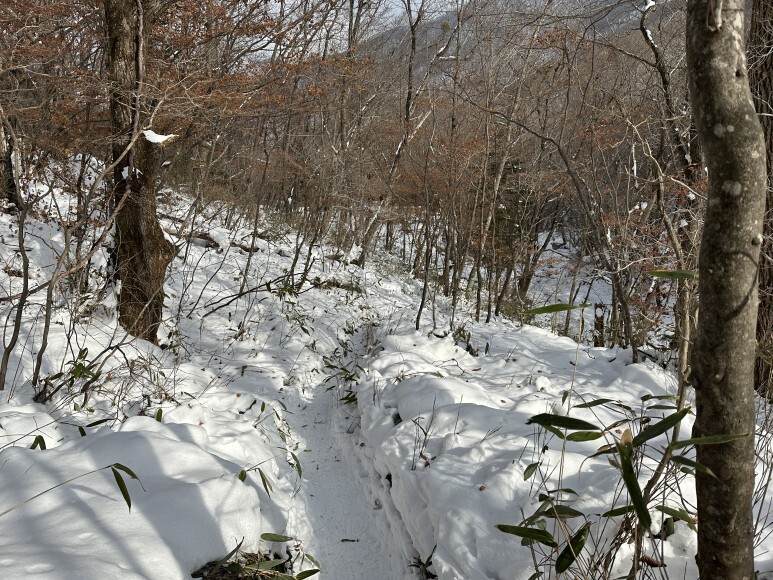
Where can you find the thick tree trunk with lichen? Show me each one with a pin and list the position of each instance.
(723, 357)
(143, 253)
(761, 81)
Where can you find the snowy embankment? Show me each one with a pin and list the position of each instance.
(449, 432)
(320, 415)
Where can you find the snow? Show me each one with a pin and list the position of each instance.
(84, 526)
(154, 137)
(322, 415)
(469, 476)
(650, 38)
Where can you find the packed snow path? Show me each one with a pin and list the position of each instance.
(351, 525)
(348, 538)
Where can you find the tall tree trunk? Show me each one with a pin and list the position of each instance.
(143, 253)
(761, 81)
(723, 359)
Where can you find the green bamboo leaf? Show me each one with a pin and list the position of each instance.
(656, 429)
(530, 470)
(632, 485)
(82, 431)
(266, 482)
(687, 462)
(561, 422)
(672, 274)
(584, 435)
(554, 431)
(297, 464)
(159, 415)
(39, 442)
(650, 396)
(619, 511)
(534, 519)
(541, 536)
(306, 574)
(569, 554)
(563, 512)
(313, 560)
(129, 472)
(99, 422)
(536, 575)
(269, 537)
(242, 475)
(679, 514)
(708, 440)
(554, 308)
(594, 403)
(126, 470)
(122, 487)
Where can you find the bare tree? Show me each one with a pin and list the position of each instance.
(723, 358)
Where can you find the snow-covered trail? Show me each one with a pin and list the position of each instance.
(339, 518)
(345, 526)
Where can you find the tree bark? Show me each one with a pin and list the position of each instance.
(7, 180)
(723, 359)
(143, 253)
(761, 81)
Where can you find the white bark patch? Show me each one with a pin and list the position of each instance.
(732, 187)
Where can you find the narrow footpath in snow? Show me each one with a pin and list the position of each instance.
(342, 511)
(348, 523)
(348, 538)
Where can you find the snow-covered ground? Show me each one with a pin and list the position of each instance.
(322, 416)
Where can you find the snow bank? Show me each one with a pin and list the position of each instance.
(188, 506)
(448, 435)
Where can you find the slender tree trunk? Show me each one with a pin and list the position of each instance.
(22, 206)
(143, 253)
(761, 81)
(505, 287)
(723, 358)
(7, 180)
